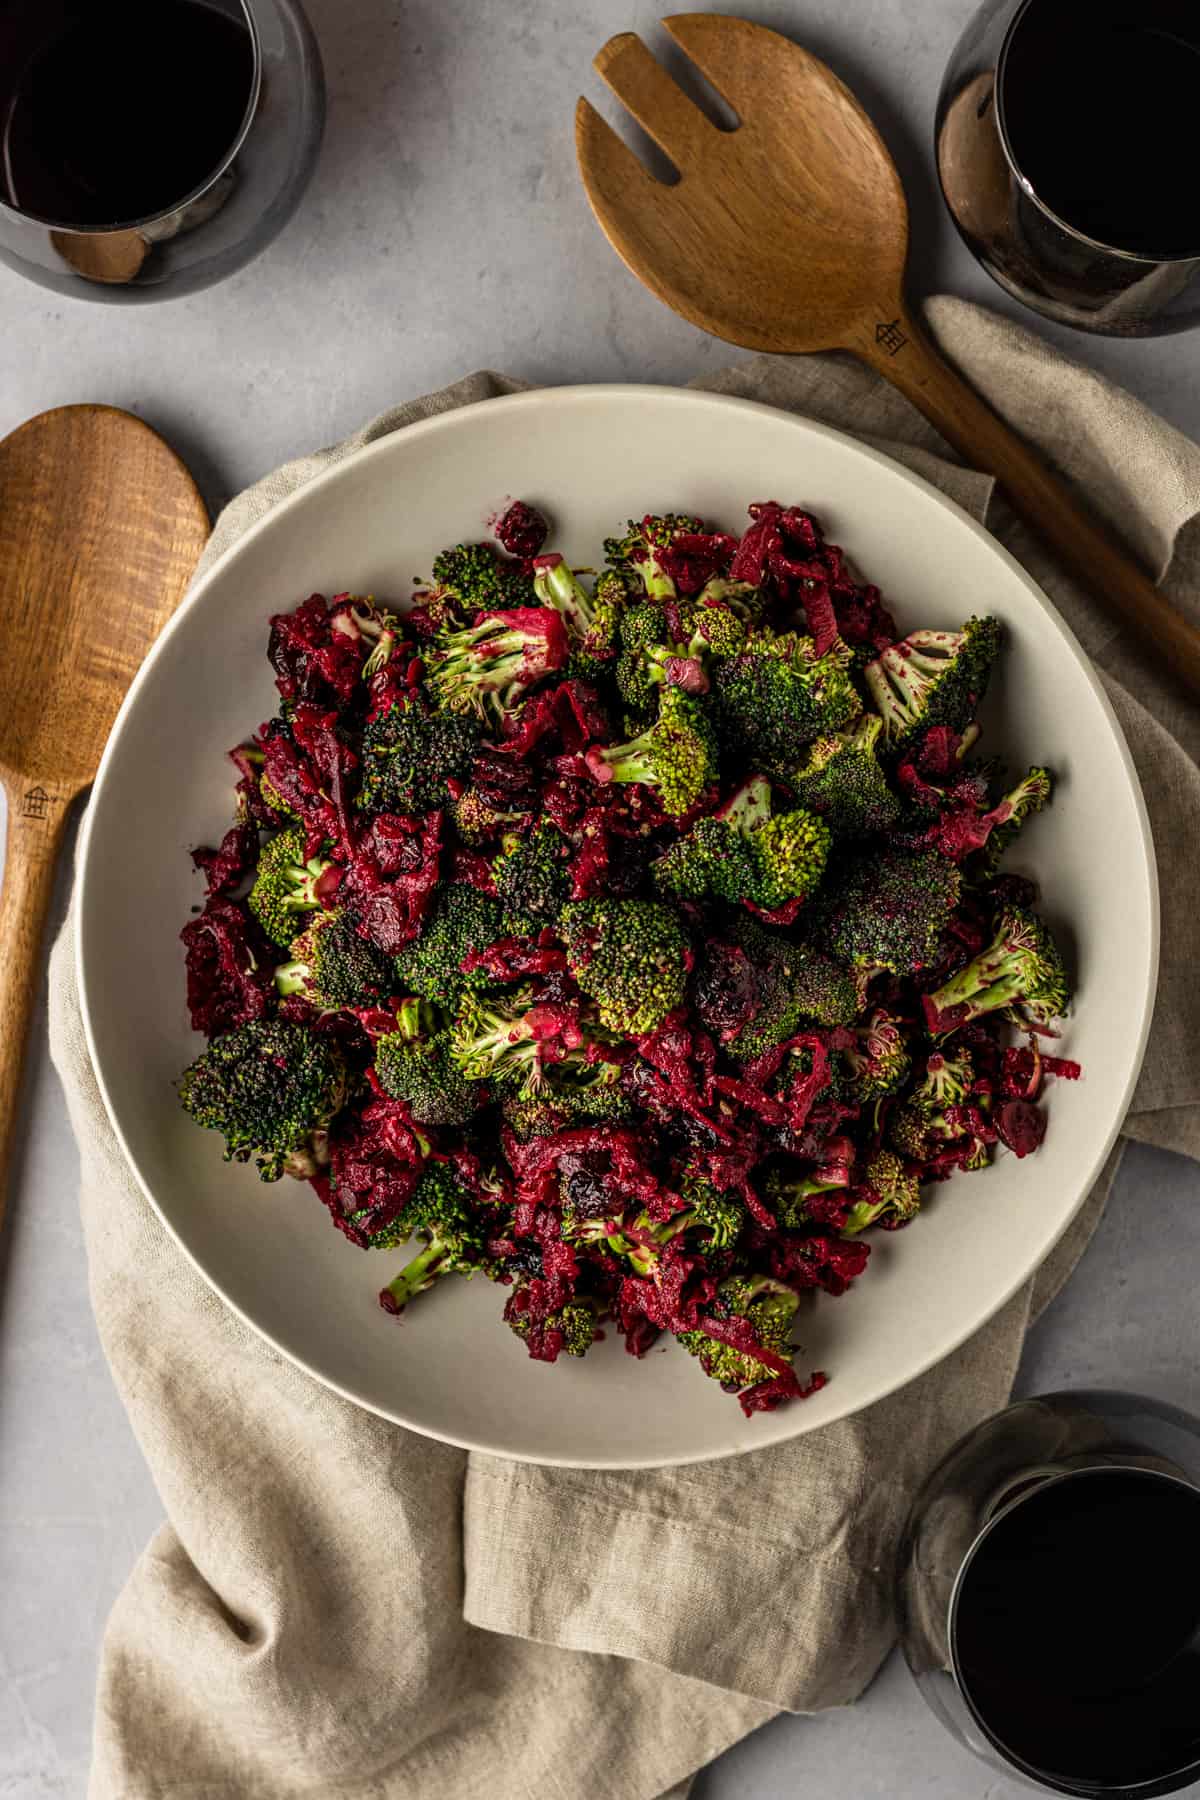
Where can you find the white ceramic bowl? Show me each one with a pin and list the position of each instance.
(592, 457)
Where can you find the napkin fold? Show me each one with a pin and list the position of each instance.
(337, 1608)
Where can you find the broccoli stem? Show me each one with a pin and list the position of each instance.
(419, 1273)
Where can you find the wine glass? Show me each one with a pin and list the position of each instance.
(1064, 145)
(91, 212)
(1048, 1594)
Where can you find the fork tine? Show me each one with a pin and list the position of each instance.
(608, 166)
(710, 40)
(659, 105)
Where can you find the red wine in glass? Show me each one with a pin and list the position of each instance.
(115, 113)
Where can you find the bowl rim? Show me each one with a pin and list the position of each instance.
(553, 399)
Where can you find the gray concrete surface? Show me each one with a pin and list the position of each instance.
(446, 230)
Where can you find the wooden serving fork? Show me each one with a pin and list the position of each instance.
(790, 234)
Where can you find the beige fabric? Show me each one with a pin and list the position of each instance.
(341, 1610)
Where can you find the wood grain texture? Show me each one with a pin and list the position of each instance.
(789, 234)
(101, 527)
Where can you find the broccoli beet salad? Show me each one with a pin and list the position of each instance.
(636, 939)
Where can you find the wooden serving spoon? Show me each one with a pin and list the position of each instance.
(100, 529)
(790, 234)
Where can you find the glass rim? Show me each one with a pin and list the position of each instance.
(1148, 260)
(73, 228)
(1151, 1788)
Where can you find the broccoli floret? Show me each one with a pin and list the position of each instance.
(270, 1088)
(748, 602)
(410, 755)
(717, 631)
(382, 630)
(414, 1064)
(439, 1211)
(490, 666)
(794, 985)
(643, 623)
(932, 678)
(712, 1220)
(788, 1196)
(676, 756)
(775, 698)
(1029, 796)
(285, 886)
(462, 920)
(571, 1093)
(630, 956)
(743, 852)
(476, 820)
(949, 1077)
(841, 779)
(532, 877)
(1020, 974)
(642, 626)
(897, 1191)
(578, 1323)
(879, 1060)
(478, 580)
(591, 619)
(888, 910)
(770, 1307)
(515, 1045)
(332, 965)
(636, 554)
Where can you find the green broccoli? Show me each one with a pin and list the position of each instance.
(513, 1043)
(740, 597)
(793, 985)
(381, 629)
(948, 1079)
(630, 956)
(461, 920)
(285, 886)
(332, 965)
(439, 1211)
(533, 880)
(488, 668)
(932, 678)
(1029, 796)
(770, 1306)
(887, 910)
(676, 756)
(788, 1196)
(715, 1220)
(591, 619)
(477, 821)
(841, 779)
(414, 1063)
(879, 1060)
(776, 697)
(411, 755)
(919, 1132)
(477, 580)
(270, 1088)
(717, 631)
(743, 852)
(897, 1192)
(642, 626)
(571, 1093)
(636, 554)
(578, 1320)
(1020, 974)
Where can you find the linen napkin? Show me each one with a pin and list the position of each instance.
(337, 1608)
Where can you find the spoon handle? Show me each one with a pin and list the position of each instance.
(35, 825)
(1088, 549)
